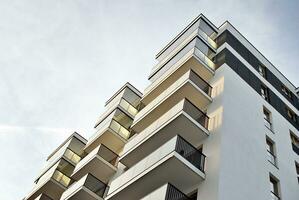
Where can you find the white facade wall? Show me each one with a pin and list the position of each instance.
(237, 165)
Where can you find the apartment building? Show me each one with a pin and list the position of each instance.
(217, 122)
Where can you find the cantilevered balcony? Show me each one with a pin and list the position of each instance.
(196, 55)
(184, 119)
(166, 192)
(53, 183)
(190, 57)
(87, 188)
(101, 162)
(111, 132)
(156, 88)
(189, 86)
(199, 26)
(177, 161)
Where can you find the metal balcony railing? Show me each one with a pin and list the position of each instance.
(274, 196)
(196, 114)
(95, 185)
(190, 153)
(172, 193)
(201, 83)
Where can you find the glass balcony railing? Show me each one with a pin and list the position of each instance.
(120, 130)
(274, 196)
(202, 84)
(207, 38)
(72, 156)
(172, 193)
(204, 58)
(128, 107)
(61, 178)
(190, 153)
(271, 158)
(196, 114)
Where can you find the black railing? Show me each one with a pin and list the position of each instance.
(190, 153)
(274, 196)
(295, 149)
(202, 84)
(196, 113)
(172, 193)
(95, 185)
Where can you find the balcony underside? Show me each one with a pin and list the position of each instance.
(173, 168)
(51, 188)
(188, 90)
(181, 124)
(98, 167)
(110, 139)
(43, 197)
(175, 72)
(83, 193)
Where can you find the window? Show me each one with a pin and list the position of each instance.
(291, 114)
(297, 170)
(270, 152)
(295, 143)
(265, 93)
(286, 91)
(274, 188)
(262, 70)
(267, 119)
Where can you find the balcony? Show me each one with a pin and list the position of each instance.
(184, 119)
(189, 86)
(166, 192)
(53, 186)
(156, 88)
(43, 197)
(190, 56)
(87, 188)
(101, 162)
(112, 134)
(199, 26)
(177, 161)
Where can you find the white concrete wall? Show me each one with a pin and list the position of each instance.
(237, 166)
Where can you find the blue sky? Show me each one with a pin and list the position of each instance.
(61, 60)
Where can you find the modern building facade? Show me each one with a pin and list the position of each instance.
(217, 122)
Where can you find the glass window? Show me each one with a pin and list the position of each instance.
(291, 114)
(267, 119)
(286, 91)
(270, 151)
(274, 188)
(265, 93)
(295, 143)
(262, 70)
